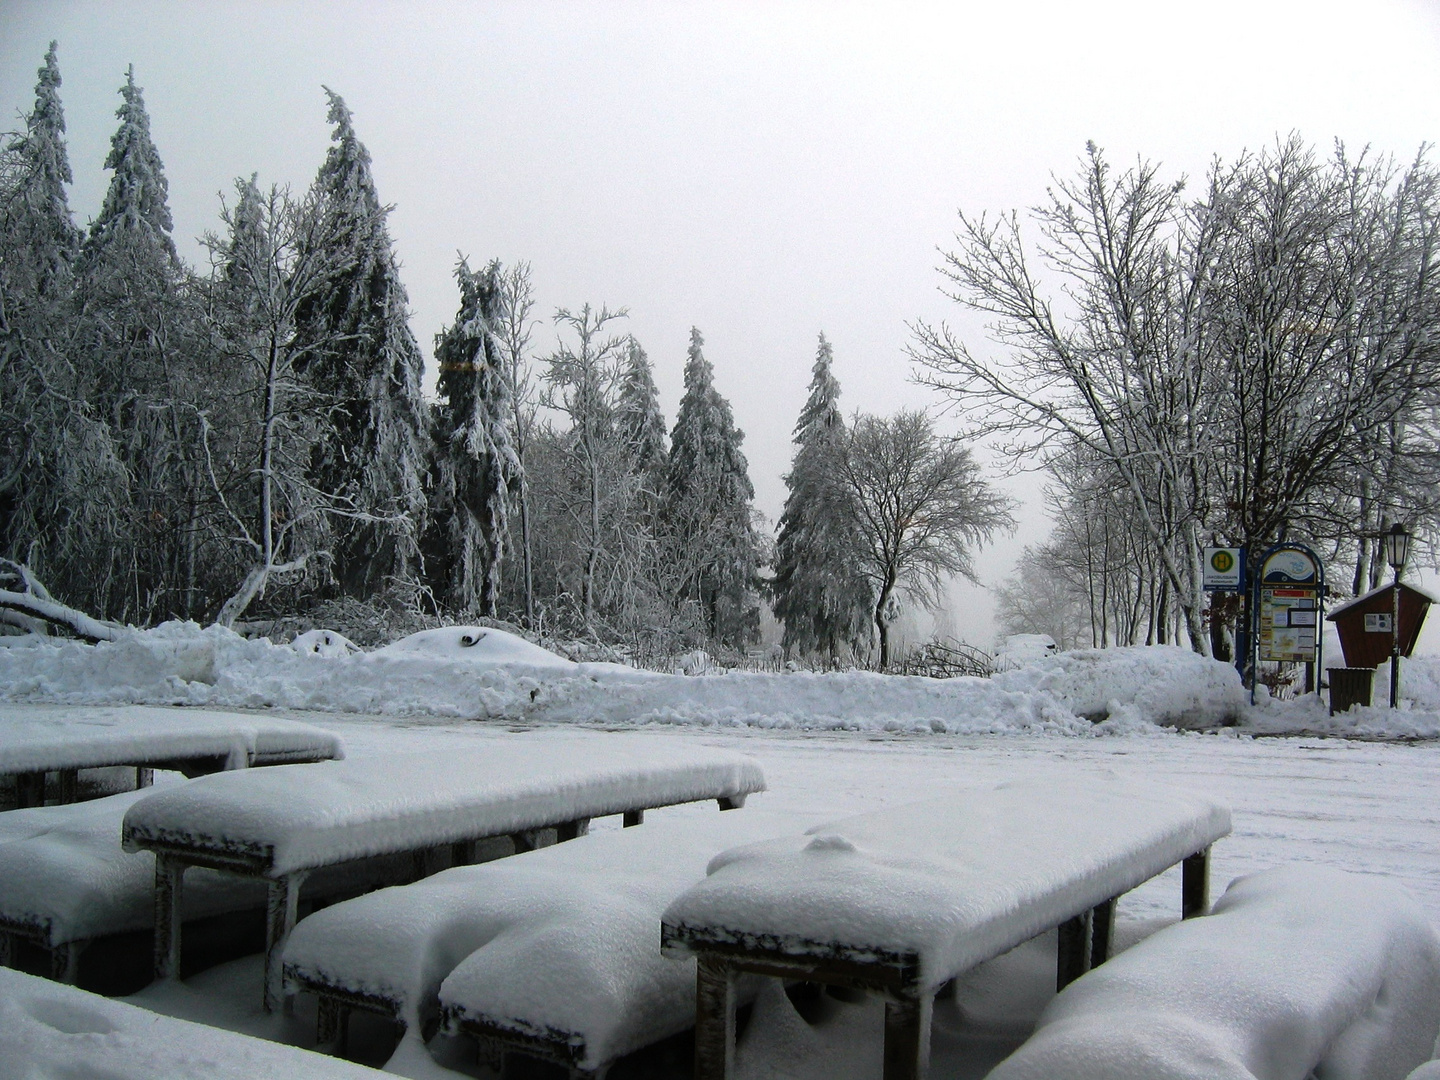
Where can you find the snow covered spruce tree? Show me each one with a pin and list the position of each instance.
(713, 549)
(820, 593)
(133, 354)
(477, 472)
(60, 480)
(641, 423)
(363, 360)
(919, 506)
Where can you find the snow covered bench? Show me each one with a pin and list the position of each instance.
(554, 953)
(1299, 972)
(903, 900)
(280, 824)
(65, 880)
(48, 1030)
(62, 739)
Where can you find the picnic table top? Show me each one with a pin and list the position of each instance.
(296, 817)
(948, 883)
(48, 738)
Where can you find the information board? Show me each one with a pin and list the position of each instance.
(1288, 618)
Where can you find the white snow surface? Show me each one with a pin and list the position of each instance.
(54, 1032)
(955, 880)
(501, 676)
(38, 738)
(294, 817)
(64, 875)
(1302, 971)
(563, 940)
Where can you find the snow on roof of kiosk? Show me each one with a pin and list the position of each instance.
(298, 816)
(50, 1030)
(1376, 592)
(955, 880)
(38, 738)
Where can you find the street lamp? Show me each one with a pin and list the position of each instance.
(1397, 550)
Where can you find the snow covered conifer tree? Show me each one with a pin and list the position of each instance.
(712, 543)
(363, 359)
(640, 423)
(478, 473)
(133, 357)
(59, 477)
(820, 592)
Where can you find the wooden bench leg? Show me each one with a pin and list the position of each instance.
(633, 818)
(462, 853)
(65, 962)
(281, 911)
(7, 947)
(571, 830)
(1195, 885)
(907, 1038)
(69, 786)
(1073, 959)
(29, 790)
(731, 802)
(169, 895)
(1102, 932)
(714, 1019)
(144, 777)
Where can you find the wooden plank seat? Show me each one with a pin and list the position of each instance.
(65, 881)
(553, 954)
(903, 900)
(1300, 971)
(282, 824)
(61, 740)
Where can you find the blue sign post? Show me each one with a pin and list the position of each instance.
(1287, 604)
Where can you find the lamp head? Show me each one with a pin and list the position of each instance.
(1397, 547)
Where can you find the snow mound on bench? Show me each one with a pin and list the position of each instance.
(49, 1030)
(64, 876)
(1298, 972)
(561, 939)
(501, 676)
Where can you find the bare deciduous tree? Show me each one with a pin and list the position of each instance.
(920, 506)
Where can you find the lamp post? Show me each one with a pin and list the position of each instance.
(1397, 550)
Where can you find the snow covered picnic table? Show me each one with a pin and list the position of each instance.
(903, 900)
(553, 954)
(40, 739)
(280, 824)
(65, 881)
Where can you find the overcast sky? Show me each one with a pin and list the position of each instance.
(762, 171)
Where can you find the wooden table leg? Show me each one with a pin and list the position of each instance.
(633, 818)
(570, 830)
(169, 895)
(65, 962)
(281, 909)
(463, 853)
(1073, 958)
(907, 1037)
(29, 790)
(1102, 932)
(714, 1018)
(731, 802)
(69, 786)
(1195, 885)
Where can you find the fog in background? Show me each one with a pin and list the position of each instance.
(761, 171)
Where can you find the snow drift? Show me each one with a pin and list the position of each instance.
(481, 673)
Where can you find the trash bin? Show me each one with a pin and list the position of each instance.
(1350, 686)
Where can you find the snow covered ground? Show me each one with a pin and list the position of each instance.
(830, 745)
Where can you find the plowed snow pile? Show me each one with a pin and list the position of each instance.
(486, 673)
